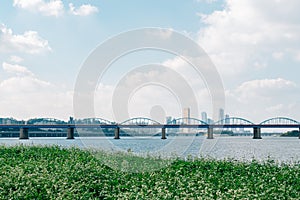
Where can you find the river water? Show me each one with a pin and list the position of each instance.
(241, 148)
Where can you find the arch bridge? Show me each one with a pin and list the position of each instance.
(143, 122)
(140, 121)
(279, 121)
(187, 121)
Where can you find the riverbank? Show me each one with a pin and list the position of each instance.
(294, 133)
(59, 173)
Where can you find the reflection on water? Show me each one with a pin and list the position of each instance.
(242, 148)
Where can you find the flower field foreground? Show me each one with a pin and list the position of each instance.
(60, 173)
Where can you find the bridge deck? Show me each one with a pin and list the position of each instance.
(29, 126)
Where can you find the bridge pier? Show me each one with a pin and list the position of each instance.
(163, 133)
(210, 133)
(117, 133)
(23, 133)
(256, 133)
(70, 133)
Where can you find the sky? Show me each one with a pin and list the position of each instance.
(254, 45)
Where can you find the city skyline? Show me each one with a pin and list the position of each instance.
(254, 47)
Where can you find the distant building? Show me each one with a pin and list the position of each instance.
(71, 120)
(187, 115)
(221, 114)
(169, 120)
(227, 120)
(204, 116)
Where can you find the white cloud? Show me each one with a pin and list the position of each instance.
(54, 7)
(260, 65)
(153, 86)
(15, 59)
(250, 31)
(26, 4)
(252, 37)
(264, 89)
(23, 85)
(297, 57)
(162, 33)
(25, 96)
(206, 1)
(278, 55)
(83, 10)
(260, 99)
(16, 69)
(51, 8)
(275, 108)
(187, 71)
(29, 42)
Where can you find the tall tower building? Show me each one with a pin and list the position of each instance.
(221, 114)
(187, 115)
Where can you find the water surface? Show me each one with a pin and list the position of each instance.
(241, 148)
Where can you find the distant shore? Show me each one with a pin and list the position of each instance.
(290, 134)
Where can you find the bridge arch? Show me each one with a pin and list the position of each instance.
(187, 121)
(280, 121)
(139, 121)
(92, 121)
(234, 120)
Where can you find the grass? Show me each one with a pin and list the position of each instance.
(58, 173)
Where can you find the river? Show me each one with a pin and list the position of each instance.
(241, 148)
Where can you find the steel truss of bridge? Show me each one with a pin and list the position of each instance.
(141, 122)
(24, 128)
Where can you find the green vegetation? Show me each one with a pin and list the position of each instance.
(58, 173)
(293, 133)
(225, 132)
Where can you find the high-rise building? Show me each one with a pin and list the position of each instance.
(221, 114)
(186, 114)
(204, 116)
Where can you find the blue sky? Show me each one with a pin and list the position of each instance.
(72, 38)
(254, 45)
